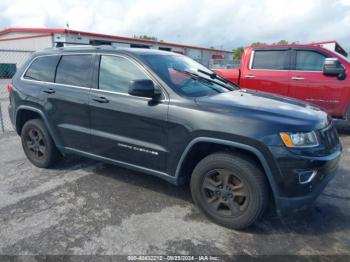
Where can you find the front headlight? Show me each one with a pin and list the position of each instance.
(299, 139)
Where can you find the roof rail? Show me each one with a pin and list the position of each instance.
(81, 47)
(68, 47)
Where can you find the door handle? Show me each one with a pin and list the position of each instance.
(101, 99)
(297, 78)
(49, 91)
(250, 76)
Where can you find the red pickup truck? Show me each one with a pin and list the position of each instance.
(306, 72)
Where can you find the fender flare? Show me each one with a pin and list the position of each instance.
(246, 147)
(42, 115)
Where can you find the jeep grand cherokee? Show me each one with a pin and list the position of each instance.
(166, 115)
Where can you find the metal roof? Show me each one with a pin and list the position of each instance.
(46, 31)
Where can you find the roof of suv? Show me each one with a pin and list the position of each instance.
(104, 48)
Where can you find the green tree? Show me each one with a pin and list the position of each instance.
(282, 42)
(147, 37)
(237, 53)
(258, 43)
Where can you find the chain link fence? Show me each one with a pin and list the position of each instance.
(10, 62)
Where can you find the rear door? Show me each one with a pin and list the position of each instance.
(127, 128)
(308, 83)
(267, 71)
(67, 101)
(40, 76)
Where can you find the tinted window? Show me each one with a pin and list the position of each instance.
(43, 69)
(275, 59)
(74, 70)
(309, 61)
(180, 73)
(117, 72)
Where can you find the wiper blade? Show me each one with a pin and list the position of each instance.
(201, 78)
(212, 75)
(191, 74)
(216, 76)
(197, 76)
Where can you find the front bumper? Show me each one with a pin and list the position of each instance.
(290, 204)
(294, 194)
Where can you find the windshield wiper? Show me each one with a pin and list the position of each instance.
(201, 78)
(216, 76)
(197, 76)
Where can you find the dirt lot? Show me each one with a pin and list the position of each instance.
(85, 207)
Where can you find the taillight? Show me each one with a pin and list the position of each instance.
(10, 88)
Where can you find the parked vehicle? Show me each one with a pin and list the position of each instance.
(307, 72)
(166, 115)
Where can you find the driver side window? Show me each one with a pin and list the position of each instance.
(117, 72)
(309, 61)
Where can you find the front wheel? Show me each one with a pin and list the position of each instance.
(231, 190)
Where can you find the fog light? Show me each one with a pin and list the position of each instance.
(307, 176)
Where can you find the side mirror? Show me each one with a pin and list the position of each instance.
(143, 88)
(332, 66)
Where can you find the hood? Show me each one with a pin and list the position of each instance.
(268, 107)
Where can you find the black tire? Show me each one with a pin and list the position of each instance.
(38, 145)
(237, 203)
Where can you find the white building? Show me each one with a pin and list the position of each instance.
(333, 46)
(33, 39)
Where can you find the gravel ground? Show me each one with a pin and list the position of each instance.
(85, 207)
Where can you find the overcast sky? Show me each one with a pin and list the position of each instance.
(221, 23)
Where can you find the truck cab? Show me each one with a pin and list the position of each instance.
(297, 71)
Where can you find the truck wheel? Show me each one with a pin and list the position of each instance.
(231, 190)
(38, 144)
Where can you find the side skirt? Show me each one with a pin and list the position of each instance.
(149, 171)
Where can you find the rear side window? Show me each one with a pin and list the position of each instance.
(270, 59)
(309, 61)
(117, 72)
(42, 69)
(74, 70)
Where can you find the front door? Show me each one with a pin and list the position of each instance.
(127, 128)
(308, 83)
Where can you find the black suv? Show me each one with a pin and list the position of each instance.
(166, 115)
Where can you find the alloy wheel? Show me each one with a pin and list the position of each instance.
(35, 143)
(225, 193)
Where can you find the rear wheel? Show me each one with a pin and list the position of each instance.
(232, 191)
(38, 144)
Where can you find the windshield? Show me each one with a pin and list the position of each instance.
(184, 75)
